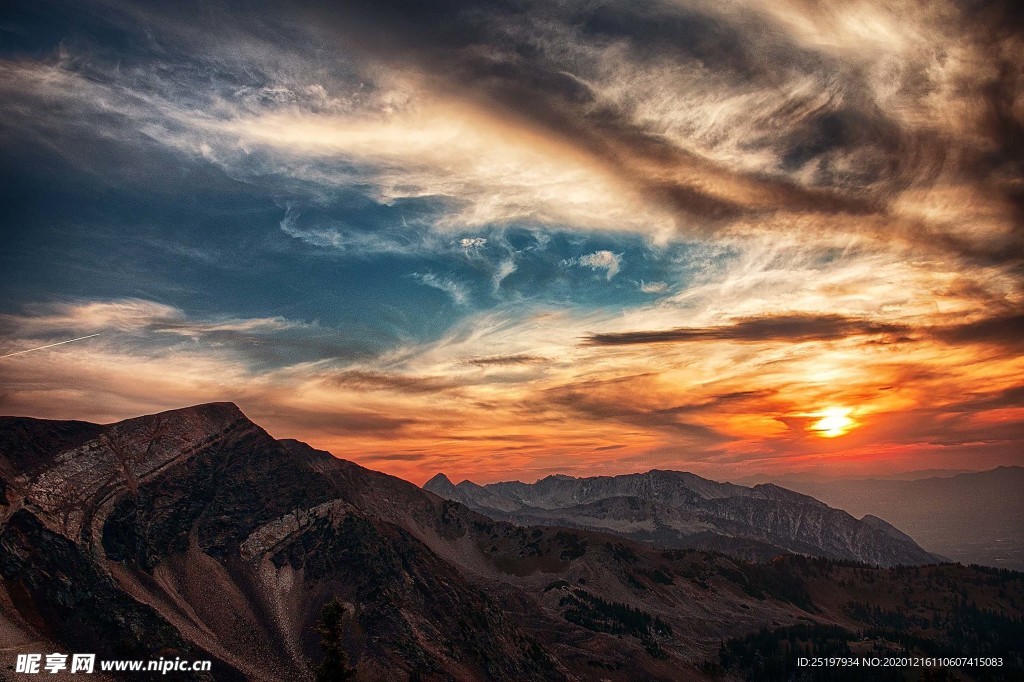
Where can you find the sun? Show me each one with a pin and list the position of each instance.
(835, 421)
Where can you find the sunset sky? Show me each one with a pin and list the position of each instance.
(512, 238)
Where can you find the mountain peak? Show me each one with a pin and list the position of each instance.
(558, 477)
(439, 485)
(886, 527)
(122, 456)
(190, 423)
(217, 410)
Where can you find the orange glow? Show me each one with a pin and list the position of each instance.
(834, 422)
(717, 409)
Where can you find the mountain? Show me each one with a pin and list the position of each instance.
(674, 510)
(195, 531)
(789, 479)
(975, 517)
(195, 534)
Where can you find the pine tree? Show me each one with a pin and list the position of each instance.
(334, 667)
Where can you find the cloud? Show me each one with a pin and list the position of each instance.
(621, 400)
(721, 136)
(135, 317)
(599, 260)
(790, 328)
(1002, 330)
(148, 327)
(317, 236)
(485, 171)
(1012, 398)
(457, 290)
(125, 315)
(383, 381)
(470, 243)
(505, 268)
(396, 140)
(336, 422)
(340, 239)
(653, 287)
(401, 457)
(506, 360)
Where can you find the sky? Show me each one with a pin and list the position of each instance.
(512, 238)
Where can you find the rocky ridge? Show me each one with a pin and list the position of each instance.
(672, 509)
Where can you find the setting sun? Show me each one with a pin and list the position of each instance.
(835, 421)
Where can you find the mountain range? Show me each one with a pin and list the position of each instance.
(676, 510)
(973, 517)
(193, 533)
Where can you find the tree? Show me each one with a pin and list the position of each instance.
(335, 666)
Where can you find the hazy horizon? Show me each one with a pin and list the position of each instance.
(478, 239)
(751, 479)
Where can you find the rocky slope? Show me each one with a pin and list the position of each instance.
(672, 509)
(195, 531)
(195, 534)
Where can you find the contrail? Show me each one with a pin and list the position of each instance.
(49, 345)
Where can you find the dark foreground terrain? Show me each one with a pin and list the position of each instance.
(194, 533)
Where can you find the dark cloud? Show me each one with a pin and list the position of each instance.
(615, 400)
(278, 348)
(338, 423)
(399, 457)
(486, 52)
(1004, 124)
(381, 381)
(716, 403)
(506, 360)
(997, 400)
(793, 328)
(962, 423)
(522, 438)
(1001, 330)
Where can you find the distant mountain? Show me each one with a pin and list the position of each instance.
(786, 479)
(195, 534)
(672, 509)
(975, 517)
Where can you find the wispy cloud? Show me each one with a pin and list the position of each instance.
(340, 239)
(457, 290)
(139, 326)
(599, 260)
(653, 287)
(133, 315)
(505, 268)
